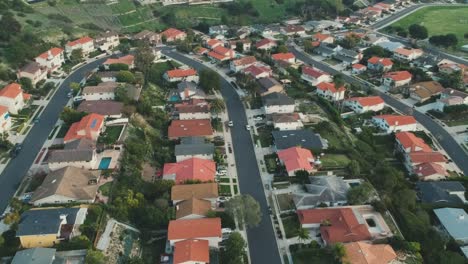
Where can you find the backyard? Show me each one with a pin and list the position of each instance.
(440, 20)
(110, 135)
(334, 161)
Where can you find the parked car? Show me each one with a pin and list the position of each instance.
(231, 124)
(247, 127)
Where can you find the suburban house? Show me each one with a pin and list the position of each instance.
(188, 90)
(390, 45)
(454, 222)
(291, 30)
(213, 43)
(177, 75)
(396, 79)
(191, 251)
(244, 43)
(373, 39)
(204, 228)
(266, 44)
(379, 64)
(330, 92)
(5, 119)
(347, 56)
(79, 153)
(407, 54)
(296, 159)
(278, 103)
(193, 169)
(194, 147)
(322, 190)
(441, 192)
(407, 142)
(107, 76)
(51, 59)
(293, 138)
(128, 60)
(325, 38)
(341, 226)
(205, 191)
(107, 41)
(221, 53)
(35, 256)
(269, 85)
(258, 70)
(13, 97)
(426, 165)
(315, 76)
(193, 109)
(287, 57)
(367, 253)
(430, 171)
(102, 91)
(423, 91)
(327, 50)
(201, 51)
(149, 36)
(218, 30)
(190, 128)
(33, 71)
(395, 123)
(85, 44)
(288, 121)
(88, 127)
(106, 108)
(449, 97)
(69, 184)
(192, 208)
(47, 227)
(172, 34)
(365, 104)
(242, 63)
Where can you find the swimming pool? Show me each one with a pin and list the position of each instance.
(104, 164)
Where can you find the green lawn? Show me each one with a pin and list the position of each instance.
(291, 225)
(270, 163)
(440, 20)
(334, 160)
(225, 190)
(105, 188)
(313, 255)
(111, 135)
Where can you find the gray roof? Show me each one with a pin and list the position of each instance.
(44, 221)
(453, 92)
(455, 221)
(325, 48)
(440, 192)
(186, 85)
(268, 82)
(294, 138)
(322, 189)
(277, 99)
(390, 45)
(70, 155)
(348, 53)
(108, 74)
(34, 256)
(194, 146)
(102, 107)
(82, 143)
(31, 67)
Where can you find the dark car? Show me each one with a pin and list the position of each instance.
(16, 150)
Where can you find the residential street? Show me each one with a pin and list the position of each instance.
(449, 144)
(262, 239)
(17, 168)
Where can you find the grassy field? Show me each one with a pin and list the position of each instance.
(440, 20)
(335, 160)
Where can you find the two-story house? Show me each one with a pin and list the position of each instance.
(396, 79)
(88, 127)
(13, 97)
(379, 64)
(365, 104)
(204, 228)
(395, 123)
(407, 54)
(173, 34)
(33, 71)
(51, 59)
(278, 103)
(107, 41)
(315, 76)
(102, 91)
(177, 75)
(330, 92)
(242, 63)
(86, 44)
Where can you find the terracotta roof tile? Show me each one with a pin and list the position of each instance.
(12, 90)
(393, 120)
(191, 250)
(194, 228)
(128, 59)
(414, 143)
(314, 72)
(200, 191)
(296, 158)
(191, 169)
(368, 100)
(82, 40)
(192, 206)
(179, 73)
(264, 42)
(366, 253)
(53, 51)
(398, 75)
(190, 128)
(330, 87)
(424, 157)
(245, 61)
(85, 127)
(283, 56)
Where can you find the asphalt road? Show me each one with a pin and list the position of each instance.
(262, 239)
(395, 16)
(17, 168)
(452, 148)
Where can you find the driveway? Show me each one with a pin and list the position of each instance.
(17, 168)
(453, 149)
(262, 239)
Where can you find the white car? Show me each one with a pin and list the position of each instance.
(247, 127)
(226, 230)
(231, 124)
(258, 118)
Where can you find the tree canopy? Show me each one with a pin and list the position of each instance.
(234, 252)
(417, 31)
(245, 209)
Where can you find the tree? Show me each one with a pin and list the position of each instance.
(448, 40)
(144, 57)
(239, 47)
(78, 242)
(234, 251)
(76, 56)
(354, 168)
(118, 67)
(94, 80)
(70, 116)
(338, 80)
(339, 251)
(125, 77)
(75, 87)
(210, 81)
(10, 26)
(26, 84)
(245, 209)
(417, 31)
(303, 235)
(282, 49)
(12, 218)
(95, 257)
(217, 106)
(360, 194)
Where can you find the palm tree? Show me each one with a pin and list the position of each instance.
(303, 235)
(217, 106)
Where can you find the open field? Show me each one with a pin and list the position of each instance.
(440, 20)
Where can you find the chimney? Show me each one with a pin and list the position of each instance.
(177, 208)
(49, 54)
(396, 123)
(451, 91)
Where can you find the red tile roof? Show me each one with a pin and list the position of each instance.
(398, 75)
(85, 127)
(245, 61)
(407, 52)
(190, 128)
(330, 87)
(367, 253)
(194, 228)
(314, 72)
(394, 120)
(53, 51)
(172, 33)
(217, 56)
(264, 42)
(224, 51)
(382, 61)
(196, 250)
(201, 50)
(191, 169)
(409, 140)
(321, 37)
(424, 157)
(179, 73)
(283, 56)
(344, 227)
(193, 106)
(358, 66)
(367, 101)
(3, 110)
(128, 59)
(294, 28)
(82, 40)
(213, 42)
(296, 158)
(256, 70)
(12, 90)
(429, 169)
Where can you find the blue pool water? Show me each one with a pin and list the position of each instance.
(174, 98)
(104, 164)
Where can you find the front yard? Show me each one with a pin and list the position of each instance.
(264, 135)
(285, 202)
(270, 163)
(291, 225)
